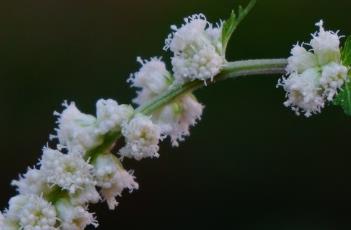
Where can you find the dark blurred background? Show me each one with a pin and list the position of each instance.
(250, 163)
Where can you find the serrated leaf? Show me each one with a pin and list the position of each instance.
(343, 99)
(230, 25)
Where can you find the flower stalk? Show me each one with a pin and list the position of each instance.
(231, 70)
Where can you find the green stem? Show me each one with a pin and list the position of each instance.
(230, 70)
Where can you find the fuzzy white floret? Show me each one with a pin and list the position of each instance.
(88, 194)
(32, 212)
(333, 78)
(152, 75)
(301, 60)
(203, 63)
(110, 115)
(142, 138)
(68, 171)
(197, 49)
(326, 44)
(32, 182)
(76, 130)
(176, 119)
(152, 79)
(314, 76)
(74, 217)
(112, 178)
(304, 92)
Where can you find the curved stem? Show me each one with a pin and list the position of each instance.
(230, 70)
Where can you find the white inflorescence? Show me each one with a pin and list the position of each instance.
(76, 130)
(315, 76)
(82, 169)
(67, 181)
(74, 217)
(31, 212)
(68, 171)
(32, 182)
(110, 115)
(142, 138)
(112, 178)
(174, 119)
(197, 49)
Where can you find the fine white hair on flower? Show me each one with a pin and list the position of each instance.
(315, 76)
(326, 45)
(74, 217)
(142, 137)
(112, 178)
(110, 115)
(197, 49)
(152, 75)
(152, 79)
(76, 130)
(68, 171)
(301, 60)
(333, 77)
(303, 92)
(176, 118)
(32, 182)
(30, 212)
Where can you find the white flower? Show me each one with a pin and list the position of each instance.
(6, 224)
(301, 60)
(326, 45)
(112, 178)
(333, 77)
(197, 49)
(175, 119)
(314, 76)
(142, 138)
(68, 171)
(74, 217)
(152, 76)
(76, 130)
(152, 79)
(88, 194)
(110, 115)
(32, 182)
(304, 92)
(32, 212)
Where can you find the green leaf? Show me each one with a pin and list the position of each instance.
(230, 25)
(346, 52)
(343, 99)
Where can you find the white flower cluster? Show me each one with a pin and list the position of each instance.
(316, 75)
(197, 49)
(79, 132)
(82, 170)
(29, 212)
(57, 193)
(174, 119)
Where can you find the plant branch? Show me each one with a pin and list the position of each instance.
(230, 70)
